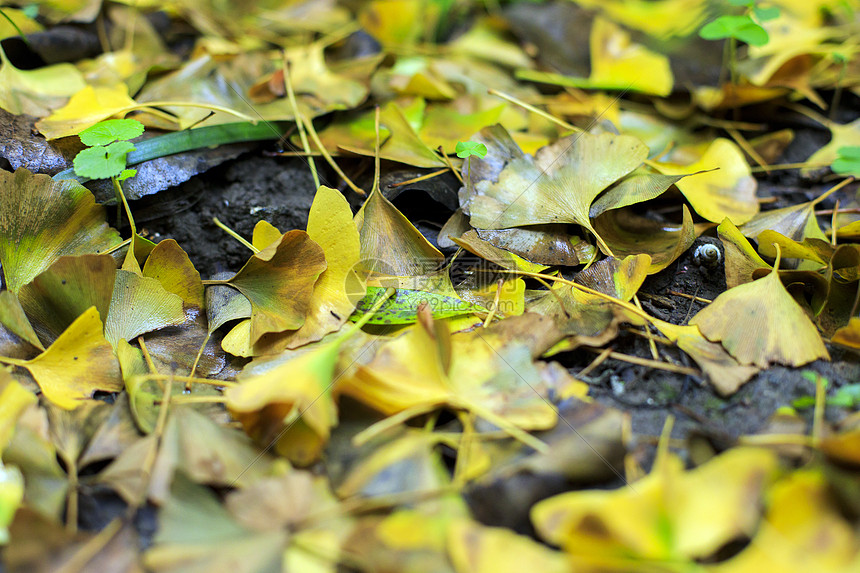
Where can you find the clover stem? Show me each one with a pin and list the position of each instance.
(120, 196)
(837, 93)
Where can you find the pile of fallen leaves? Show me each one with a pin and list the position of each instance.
(339, 402)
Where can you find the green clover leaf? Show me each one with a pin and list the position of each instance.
(102, 162)
(848, 162)
(112, 130)
(741, 28)
(466, 149)
(765, 14)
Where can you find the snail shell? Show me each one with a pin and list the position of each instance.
(707, 255)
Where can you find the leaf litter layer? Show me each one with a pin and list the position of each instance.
(616, 331)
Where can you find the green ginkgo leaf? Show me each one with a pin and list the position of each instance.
(42, 220)
(106, 132)
(403, 306)
(102, 162)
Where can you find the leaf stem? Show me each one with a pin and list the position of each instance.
(189, 379)
(310, 127)
(832, 190)
(533, 109)
(235, 235)
(213, 107)
(291, 96)
(376, 168)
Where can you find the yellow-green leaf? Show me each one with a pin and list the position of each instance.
(42, 220)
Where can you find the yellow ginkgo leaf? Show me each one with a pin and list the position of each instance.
(264, 235)
(475, 548)
(42, 220)
(37, 92)
(760, 323)
(506, 259)
(390, 244)
(797, 222)
(444, 126)
(13, 317)
(846, 135)
(77, 364)
(627, 234)
(542, 244)
(140, 305)
(14, 399)
(617, 63)
(489, 373)
(17, 22)
(403, 144)
(727, 191)
(279, 282)
(742, 260)
(662, 19)
(275, 392)
(803, 529)
(659, 518)
(723, 372)
(87, 107)
(393, 22)
(331, 226)
(849, 335)
(170, 265)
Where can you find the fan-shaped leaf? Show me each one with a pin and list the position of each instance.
(279, 282)
(42, 220)
(77, 364)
